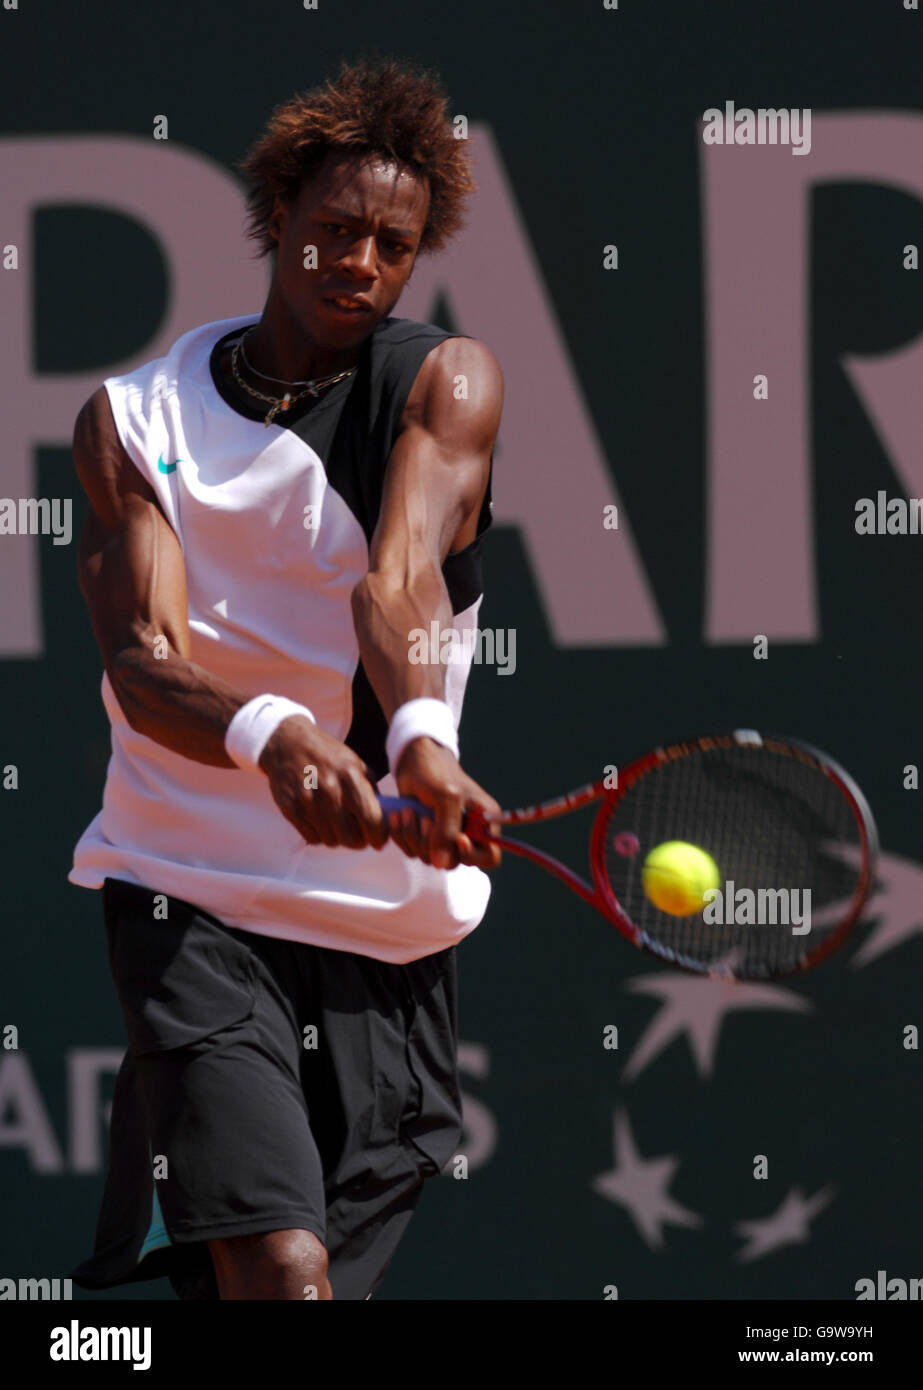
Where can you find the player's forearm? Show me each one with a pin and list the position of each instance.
(389, 615)
(175, 702)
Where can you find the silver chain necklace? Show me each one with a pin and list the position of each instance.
(311, 388)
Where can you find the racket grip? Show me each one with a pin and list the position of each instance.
(470, 822)
(402, 803)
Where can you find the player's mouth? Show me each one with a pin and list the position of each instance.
(347, 307)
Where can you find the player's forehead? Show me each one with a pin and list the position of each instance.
(368, 187)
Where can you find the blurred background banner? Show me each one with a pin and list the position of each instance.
(712, 354)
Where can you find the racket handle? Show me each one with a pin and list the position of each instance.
(403, 803)
(470, 820)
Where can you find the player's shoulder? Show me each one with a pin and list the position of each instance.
(461, 352)
(458, 369)
(438, 356)
(106, 471)
(94, 426)
(443, 343)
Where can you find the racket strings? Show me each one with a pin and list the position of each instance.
(783, 836)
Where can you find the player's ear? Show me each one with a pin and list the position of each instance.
(278, 218)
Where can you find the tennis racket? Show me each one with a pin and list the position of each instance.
(791, 834)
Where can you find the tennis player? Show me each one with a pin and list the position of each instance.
(277, 504)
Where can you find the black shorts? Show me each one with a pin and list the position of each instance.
(267, 1085)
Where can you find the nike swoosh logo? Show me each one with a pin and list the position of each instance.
(167, 467)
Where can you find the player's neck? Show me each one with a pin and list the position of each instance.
(281, 349)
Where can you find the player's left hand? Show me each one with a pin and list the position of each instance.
(430, 773)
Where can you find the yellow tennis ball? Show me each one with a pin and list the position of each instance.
(676, 876)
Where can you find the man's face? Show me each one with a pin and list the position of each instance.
(366, 219)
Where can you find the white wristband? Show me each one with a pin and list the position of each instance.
(420, 719)
(254, 724)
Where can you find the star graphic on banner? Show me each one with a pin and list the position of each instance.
(697, 1007)
(788, 1225)
(898, 902)
(640, 1186)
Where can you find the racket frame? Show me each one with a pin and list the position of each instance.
(599, 893)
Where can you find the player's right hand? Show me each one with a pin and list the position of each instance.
(430, 773)
(342, 808)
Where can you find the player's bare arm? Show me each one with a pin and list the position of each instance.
(132, 576)
(435, 483)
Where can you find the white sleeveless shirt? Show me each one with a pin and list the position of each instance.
(272, 552)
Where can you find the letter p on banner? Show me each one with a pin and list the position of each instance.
(211, 276)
